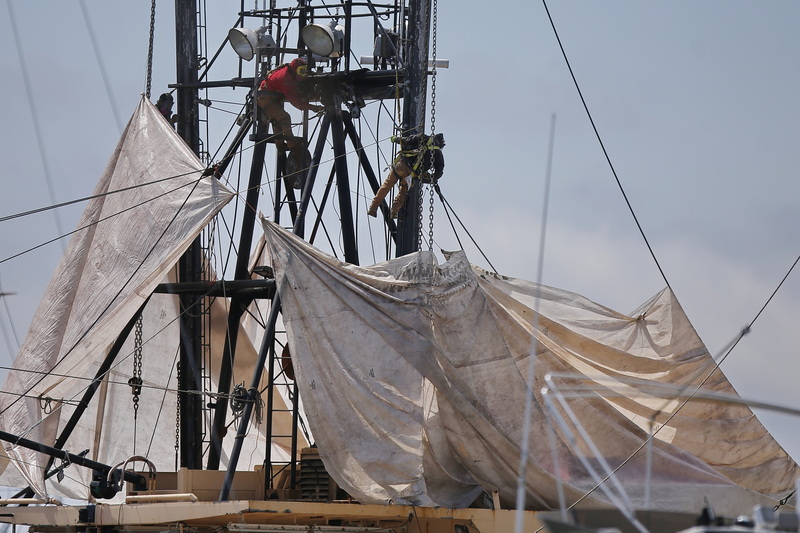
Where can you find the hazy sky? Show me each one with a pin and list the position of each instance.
(695, 103)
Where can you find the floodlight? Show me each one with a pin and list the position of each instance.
(386, 43)
(324, 40)
(245, 41)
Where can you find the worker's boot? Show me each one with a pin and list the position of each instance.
(400, 199)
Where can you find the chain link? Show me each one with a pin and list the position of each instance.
(433, 73)
(420, 197)
(136, 381)
(431, 186)
(784, 501)
(178, 416)
(150, 48)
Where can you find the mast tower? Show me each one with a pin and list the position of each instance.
(399, 70)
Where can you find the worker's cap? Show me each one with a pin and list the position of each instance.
(299, 66)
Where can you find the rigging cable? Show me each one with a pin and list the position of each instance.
(58, 471)
(727, 351)
(378, 154)
(602, 147)
(3, 295)
(101, 65)
(108, 306)
(36, 124)
(72, 401)
(448, 209)
(529, 391)
(94, 196)
(165, 179)
(651, 436)
(108, 193)
(731, 345)
(382, 110)
(719, 359)
(449, 219)
(76, 230)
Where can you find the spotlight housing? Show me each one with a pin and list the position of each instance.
(324, 40)
(247, 42)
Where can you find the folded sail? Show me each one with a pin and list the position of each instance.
(414, 378)
(151, 202)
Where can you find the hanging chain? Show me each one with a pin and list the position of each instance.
(432, 184)
(150, 48)
(433, 73)
(420, 197)
(178, 416)
(420, 129)
(136, 381)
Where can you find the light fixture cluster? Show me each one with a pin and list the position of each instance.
(325, 40)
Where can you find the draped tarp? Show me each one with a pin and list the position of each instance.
(414, 379)
(253, 324)
(150, 203)
(113, 428)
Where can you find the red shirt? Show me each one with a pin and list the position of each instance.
(284, 81)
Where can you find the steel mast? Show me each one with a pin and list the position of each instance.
(414, 104)
(411, 70)
(190, 265)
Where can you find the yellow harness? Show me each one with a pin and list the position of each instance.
(419, 152)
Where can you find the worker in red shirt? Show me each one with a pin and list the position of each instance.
(280, 85)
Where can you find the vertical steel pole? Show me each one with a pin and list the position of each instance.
(414, 92)
(238, 305)
(190, 265)
(269, 335)
(343, 187)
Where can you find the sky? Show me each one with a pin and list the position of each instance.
(694, 104)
